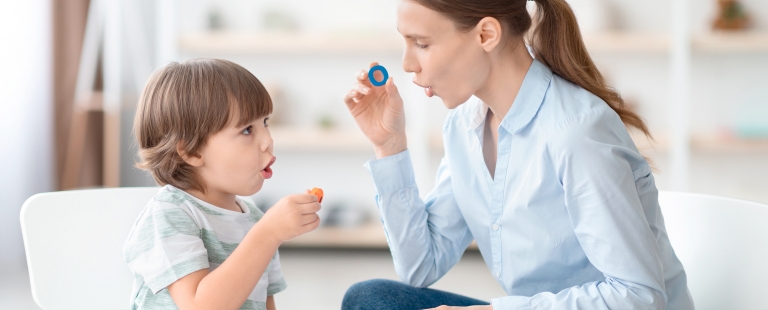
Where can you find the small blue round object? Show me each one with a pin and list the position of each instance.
(373, 79)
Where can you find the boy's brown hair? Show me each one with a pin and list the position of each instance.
(185, 103)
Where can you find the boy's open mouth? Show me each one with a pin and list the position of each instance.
(267, 171)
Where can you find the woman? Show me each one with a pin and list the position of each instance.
(539, 168)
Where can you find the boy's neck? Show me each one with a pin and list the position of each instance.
(219, 199)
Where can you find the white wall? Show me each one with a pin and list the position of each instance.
(25, 116)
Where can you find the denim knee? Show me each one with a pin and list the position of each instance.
(362, 294)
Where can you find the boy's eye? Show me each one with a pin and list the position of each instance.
(421, 46)
(248, 130)
(265, 122)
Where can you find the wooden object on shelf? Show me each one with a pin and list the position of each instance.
(731, 15)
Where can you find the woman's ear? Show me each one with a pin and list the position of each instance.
(194, 160)
(489, 30)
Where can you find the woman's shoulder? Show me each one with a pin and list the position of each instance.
(566, 102)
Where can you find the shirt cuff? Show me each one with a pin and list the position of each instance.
(392, 173)
(511, 303)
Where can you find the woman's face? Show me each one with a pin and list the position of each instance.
(447, 62)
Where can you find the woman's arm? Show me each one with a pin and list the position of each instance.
(426, 238)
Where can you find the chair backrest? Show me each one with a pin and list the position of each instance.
(74, 245)
(723, 245)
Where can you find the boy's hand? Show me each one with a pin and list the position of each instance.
(293, 216)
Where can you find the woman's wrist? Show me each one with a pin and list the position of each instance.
(394, 145)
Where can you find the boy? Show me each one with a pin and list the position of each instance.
(201, 128)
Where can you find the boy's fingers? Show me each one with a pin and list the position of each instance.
(311, 225)
(309, 218)
(304, 198)
(311, 208)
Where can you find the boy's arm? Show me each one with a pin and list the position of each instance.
(271, 302)
(228, 286)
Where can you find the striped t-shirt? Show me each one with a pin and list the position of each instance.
(178, 234)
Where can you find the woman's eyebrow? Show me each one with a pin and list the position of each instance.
(413, 36)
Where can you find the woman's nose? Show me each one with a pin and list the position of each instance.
(410, 64)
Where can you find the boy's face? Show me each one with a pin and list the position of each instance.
(237, 159)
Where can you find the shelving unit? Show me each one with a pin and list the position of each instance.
(609, 42)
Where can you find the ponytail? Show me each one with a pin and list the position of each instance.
(556, 42)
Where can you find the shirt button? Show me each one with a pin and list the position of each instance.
(495, 226)
(498, 274)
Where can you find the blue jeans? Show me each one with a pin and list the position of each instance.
(392, 295)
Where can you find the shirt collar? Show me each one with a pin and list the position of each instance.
(526, 104)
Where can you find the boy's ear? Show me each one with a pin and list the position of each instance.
(194, 160)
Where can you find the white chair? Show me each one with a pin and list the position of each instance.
(74, 245)
(723, 245)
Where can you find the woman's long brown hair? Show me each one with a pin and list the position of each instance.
(556, 42)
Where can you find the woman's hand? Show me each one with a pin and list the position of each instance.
(488, 307)
(379, 113)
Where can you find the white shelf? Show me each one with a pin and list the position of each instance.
(703, 143)
(710, 43)
(627, 42)
(367, 236)
(314, 139)
(608, 42)
(731, 42)
(275, 43)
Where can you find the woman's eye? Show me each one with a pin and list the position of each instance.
(248, 130)
(421, 46)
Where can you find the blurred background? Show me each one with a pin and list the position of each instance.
(71, 72)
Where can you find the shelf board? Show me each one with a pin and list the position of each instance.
(312, 139)
(612, 42)
(704, 143)
(709, 43)
(627, 42)
(367, 236)
(292, 44)
(731, 42)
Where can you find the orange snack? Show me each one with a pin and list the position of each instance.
(317, 192)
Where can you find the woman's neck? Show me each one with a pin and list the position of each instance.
(508, 70)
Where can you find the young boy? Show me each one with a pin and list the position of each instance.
(201, 128)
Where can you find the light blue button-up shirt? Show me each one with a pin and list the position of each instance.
(570, 221)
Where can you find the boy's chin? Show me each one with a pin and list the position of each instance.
(255, 189)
